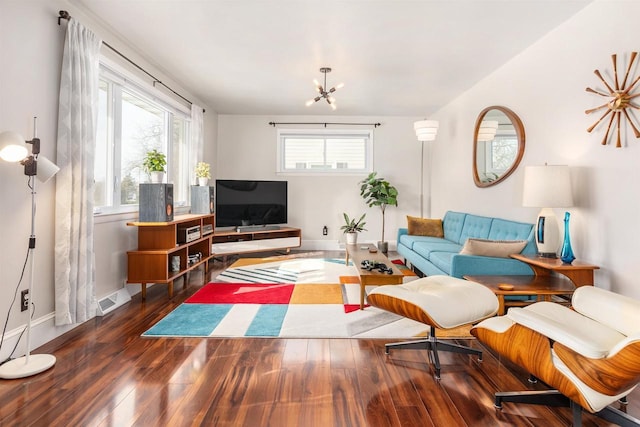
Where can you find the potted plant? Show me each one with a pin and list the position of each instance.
(352, 227)
(153, 164)
(379, 192)
(203, 173)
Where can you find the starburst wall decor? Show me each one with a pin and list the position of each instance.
(619, 103)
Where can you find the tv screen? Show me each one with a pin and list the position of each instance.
(243, 203)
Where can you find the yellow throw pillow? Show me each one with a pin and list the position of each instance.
(424, 226)
(493, 248)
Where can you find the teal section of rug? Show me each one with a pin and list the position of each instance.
(268, 321)
(191, 320)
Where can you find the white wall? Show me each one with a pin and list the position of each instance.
(247, 149)
(31, 45)
(545, 85)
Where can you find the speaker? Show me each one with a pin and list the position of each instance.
(156, 202)
(202, 199)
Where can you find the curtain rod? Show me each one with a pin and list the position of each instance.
(375, 125)
(63, 14)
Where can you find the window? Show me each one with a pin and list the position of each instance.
(324, 151)
(132, 121)
(500, 153)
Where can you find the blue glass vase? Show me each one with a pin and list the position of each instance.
(566, 253)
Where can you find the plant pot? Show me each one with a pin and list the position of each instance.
(156, 177)
(352, 238)
(202, 182)
(383, 247)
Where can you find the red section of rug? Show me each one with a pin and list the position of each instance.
(242, 293)
(350, 308)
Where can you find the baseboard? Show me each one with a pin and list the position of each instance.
(334, 245)
(43, 330)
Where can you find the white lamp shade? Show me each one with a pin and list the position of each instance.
(426, 130)
(487, 130)
(12, 147)
(547, 187)
(46, 169)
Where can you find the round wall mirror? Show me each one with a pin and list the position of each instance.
(498, 145)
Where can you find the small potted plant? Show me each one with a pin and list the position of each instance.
(203, 173)
(379, 192)
(352, 227)
(153, 164)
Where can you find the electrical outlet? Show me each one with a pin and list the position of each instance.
(325, 230)
(24, 300)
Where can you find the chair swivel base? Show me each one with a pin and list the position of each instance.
(555, 398)
(432, 344)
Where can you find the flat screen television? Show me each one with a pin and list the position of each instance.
(247, 203)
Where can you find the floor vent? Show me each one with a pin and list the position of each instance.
(113, 301)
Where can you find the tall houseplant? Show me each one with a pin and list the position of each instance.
(153, 164)
(351, 228)
(379, 192)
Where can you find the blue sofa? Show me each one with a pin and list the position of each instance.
(435, 255)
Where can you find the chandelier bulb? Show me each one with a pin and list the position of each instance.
(323, 91)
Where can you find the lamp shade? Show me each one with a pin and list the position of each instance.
(426, 130)
(547, 187)
(487, 130)
(46, 169)
(12, 147)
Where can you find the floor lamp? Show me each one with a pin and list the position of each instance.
(426, 130)
(13, 149)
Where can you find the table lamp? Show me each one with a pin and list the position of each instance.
(547, 187)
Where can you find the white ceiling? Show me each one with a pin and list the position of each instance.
(396, 57)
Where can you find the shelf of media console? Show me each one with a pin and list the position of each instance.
(255, 239)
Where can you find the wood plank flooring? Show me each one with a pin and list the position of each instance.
(107, 375)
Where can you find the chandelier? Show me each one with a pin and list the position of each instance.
(323, 93)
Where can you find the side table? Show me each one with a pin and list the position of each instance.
(543, 288)
(580, 273)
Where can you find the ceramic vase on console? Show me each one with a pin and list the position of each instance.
(202, 182)
(566, 253)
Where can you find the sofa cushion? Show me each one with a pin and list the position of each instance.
(452, 225)
(424, 249)
(409, 240)
(424, 226)
(442, 260)
(502, 229)
(493, 248)
(476, 227)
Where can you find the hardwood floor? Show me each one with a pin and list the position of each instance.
(107, 375)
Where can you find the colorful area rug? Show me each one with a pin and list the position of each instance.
(290, 298)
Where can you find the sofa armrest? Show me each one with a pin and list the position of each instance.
(402, 232)
(475, 265)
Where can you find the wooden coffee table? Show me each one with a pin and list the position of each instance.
(359, 253)
(542, 287)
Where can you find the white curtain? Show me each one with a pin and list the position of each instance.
(75, 299)
(197, 136)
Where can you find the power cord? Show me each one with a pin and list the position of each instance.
(6, 322)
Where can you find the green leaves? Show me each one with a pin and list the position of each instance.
(378, 191)
(353, 226)
(154, 161)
